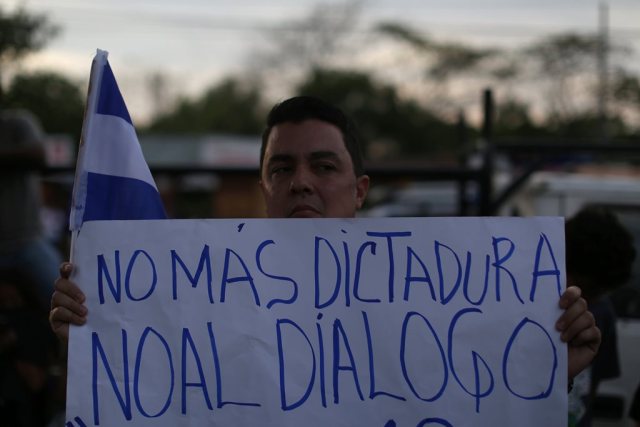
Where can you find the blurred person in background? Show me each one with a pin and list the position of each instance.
(600, 254)
(27, 357)
(23, 247)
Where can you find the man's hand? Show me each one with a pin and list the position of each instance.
(66, 304)
(578, 329)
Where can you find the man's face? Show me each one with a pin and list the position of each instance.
(307, 173)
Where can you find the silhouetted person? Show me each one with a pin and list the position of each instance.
(634, 413)
(600, 254)
(23, 246)
(27, 352)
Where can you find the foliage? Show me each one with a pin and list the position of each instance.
(405, 34)
(444, 59)
(452, 58)
(386, 121)
(228, 107)
(56, 101)
(21, 33)
(559, 69)
(563, 54)
(626, 89)
(513, 118)
(308, 42)
(587, 126)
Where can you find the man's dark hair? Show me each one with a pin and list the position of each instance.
(300, 108)
(599, 250)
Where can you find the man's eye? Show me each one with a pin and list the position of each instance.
(279, 170)
(326, 167)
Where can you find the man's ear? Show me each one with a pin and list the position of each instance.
(362, 188)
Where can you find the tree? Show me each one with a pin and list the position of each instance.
(56, 101)
(158, 87)
(566, 62)
(625, 94)
(228, 107)
(443, 61)
(22, 33)
(626, 88)
(390, 125)
(297, 46)
(513, 118)
(586, 125)
(557, 74)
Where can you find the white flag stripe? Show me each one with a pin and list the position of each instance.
(112, 150)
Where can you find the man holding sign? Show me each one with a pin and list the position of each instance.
(311, 167)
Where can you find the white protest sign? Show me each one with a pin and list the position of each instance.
(361, 322)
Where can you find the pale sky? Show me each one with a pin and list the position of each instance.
(196, 42)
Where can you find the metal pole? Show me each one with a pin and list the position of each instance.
(486, 175)
(463, 205)
(603, 87)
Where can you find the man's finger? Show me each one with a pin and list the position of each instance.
(571, 314)
(590, 337)
(65, 269)
(62, 315)
(570, 296)
(577, 326)
(69, 288)
(62, 300)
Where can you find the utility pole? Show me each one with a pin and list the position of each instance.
(603, 74)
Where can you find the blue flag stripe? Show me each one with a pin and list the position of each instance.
(110, 99)
(114, 197)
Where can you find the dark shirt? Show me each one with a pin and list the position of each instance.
(634, 413)
(606, 363)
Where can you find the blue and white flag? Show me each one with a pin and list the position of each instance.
(112, 179)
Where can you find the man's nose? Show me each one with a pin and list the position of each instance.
(301, 181)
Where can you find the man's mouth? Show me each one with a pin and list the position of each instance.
(304, 211)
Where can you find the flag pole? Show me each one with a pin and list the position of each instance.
(80, 179)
